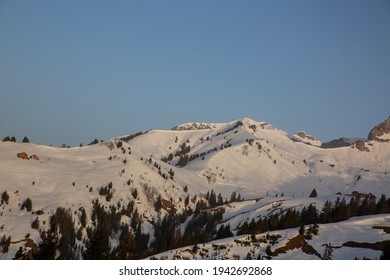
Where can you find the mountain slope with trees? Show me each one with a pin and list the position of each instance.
(139, 195)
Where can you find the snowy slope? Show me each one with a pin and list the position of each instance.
(72, 178)
(254, 159)
(271, 161)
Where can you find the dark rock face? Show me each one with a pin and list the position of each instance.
(360, 145)
(337, 143)
(194, 126)
(303, 135)
(379, 131)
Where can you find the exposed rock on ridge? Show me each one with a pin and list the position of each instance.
(336, 143)
(193, 126)
(381, 132)
(303, 135)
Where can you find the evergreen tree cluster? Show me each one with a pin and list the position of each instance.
(339, 210)
(4, 198)
(201, 227)
(170, 174)
(107, 191)
(213, 200)
(132, 136)
(92, 238)
(27, 204)
(235, 126)
(184, 149)
(94, 142)
(183, 160)
(168, 158)
(9, 139)
(106, 226)
(4, 244)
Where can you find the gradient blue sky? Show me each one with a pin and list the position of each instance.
(72, 71)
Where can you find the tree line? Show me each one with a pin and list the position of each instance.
(331, 212)
(94, 236)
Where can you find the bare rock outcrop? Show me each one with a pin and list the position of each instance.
(361, 146)
(381, 132)
(303, 135)
(192, 126)
(336, 143)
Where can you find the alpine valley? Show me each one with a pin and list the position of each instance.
(237, 190)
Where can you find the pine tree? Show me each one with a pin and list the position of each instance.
(35, 223)
(97, 246)
(134, 193)
(220, 200)
(25, 140)
(135, 219)
(4, 197)
(302, 230)
(224, 232)
(141, 240)
(326, 212)
(268, 250)
(4, 244)
(158, 204)
(382, 206)
(386, 252)
(183, 160)
(187, 200)
(233, 197)
(83, 218)
(47, 248)
(127, 247)
(27, 204)
(62, 221)
(212, 199)
(328, 252)
(312, 214)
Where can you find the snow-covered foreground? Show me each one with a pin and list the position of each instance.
(355, 238)
(169, 172)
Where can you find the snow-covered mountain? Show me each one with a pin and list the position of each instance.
(146, 179)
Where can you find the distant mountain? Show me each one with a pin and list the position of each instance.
(340, 142)
(141, 195)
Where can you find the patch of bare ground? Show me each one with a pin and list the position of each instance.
(385, 228)
(308, 249)
(29, 243)
(168, 206)
(378, 246)
(296, 242)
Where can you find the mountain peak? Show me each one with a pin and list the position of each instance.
(381, 132)
(302, 136)
(201, 126)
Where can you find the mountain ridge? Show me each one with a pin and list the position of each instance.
(150, 177)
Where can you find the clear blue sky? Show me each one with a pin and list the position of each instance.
(72, 71)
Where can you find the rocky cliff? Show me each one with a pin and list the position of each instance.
(381, 132)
